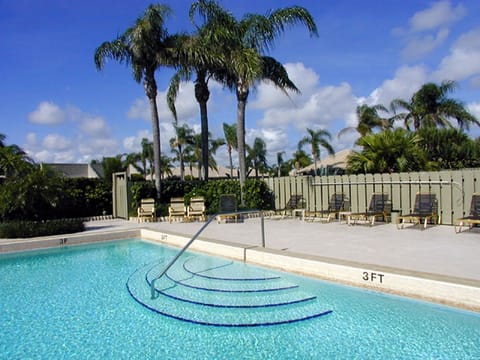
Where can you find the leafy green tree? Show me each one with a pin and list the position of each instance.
(257, 156)
(390, 151)
(299, 160)
(369, 120)
(230, 132)
(316, 139)
(184, 137)
(245, 42)
(449, 148)
(146, 47)
(431, 106)
(146, 156)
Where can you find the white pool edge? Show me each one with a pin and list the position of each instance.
(457, 293)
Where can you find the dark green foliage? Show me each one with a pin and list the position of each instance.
(26, 229)
(449, 148)
(257, 194)
(42, 194)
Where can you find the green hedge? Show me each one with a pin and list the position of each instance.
(26, 229)
(257, 195)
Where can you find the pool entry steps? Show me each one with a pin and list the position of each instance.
(218, 292)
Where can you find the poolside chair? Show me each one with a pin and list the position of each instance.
(197, 208)
(424, 211)
(227, 208)
(146, 210)
(380, 207)
(294, 204)
(176, 209)
(337, 204)
(473, 218)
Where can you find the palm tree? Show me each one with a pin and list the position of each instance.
(368, 120)
(390, 151)
(184, 136)
(430, 106)
(280, 162)
(245, 42)
(13, 159)
(317, 139)
(299, 160)
(230, 132)
(196, 151)
(146, 47)
(147, 155)
(257, 156)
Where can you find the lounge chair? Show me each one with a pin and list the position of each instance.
(473, 218)
(337, 204)
(424, 211)
(197, 209)
(380, 207)
(146, 210)
(227, 208)
(294, 204)
(176, 209)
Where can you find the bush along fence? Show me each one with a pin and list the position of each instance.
(453, 189)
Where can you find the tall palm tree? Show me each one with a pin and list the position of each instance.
(245, 42)
(368, 120)
(201, 55)
(230, 132)
(146, 155)
(184, 136)
(280, 162)
(430, 106)
(146, 46)
(257, 156)
(13, 159)
(316, 139)
(299, 160)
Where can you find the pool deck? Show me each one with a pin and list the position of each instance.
(368, 255)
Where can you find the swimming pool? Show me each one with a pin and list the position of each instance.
(73, 302)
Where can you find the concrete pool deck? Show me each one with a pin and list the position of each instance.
(435, 264)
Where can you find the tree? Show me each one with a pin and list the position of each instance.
(368, 120)
(430, 106)
(300, 160)
(13, 159)
(146, 47)
(245, 42)
(257, 156)
(390, 151)
(184, 137)
(230, 132)
(316, 139)
(147, 156)
(449, 148)
(200, 54)
(280, 162)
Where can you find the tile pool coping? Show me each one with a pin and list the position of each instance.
(451, 291)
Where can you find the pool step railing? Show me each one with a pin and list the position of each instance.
(194, 237)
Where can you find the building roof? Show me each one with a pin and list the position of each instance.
(337, 160)
(78, 170)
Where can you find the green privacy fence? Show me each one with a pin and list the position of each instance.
(453, 189)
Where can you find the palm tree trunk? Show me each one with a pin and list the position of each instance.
(151, 91)
(241, 105)
(231, 161)
(202, 94)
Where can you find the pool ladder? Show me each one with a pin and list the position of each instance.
(194, 237)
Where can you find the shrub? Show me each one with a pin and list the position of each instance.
(26, 229)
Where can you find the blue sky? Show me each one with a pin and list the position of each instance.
(59, 108)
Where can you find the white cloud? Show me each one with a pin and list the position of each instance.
(94, 126)
(418, 47)
(186, 106)
(429, 28)
(407, 80)
(133, 143)
(438, 15)
(47, 113)
(268, 96)
(56, 142)
(463, 60)
(474, 109)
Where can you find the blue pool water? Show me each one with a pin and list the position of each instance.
(74, 303)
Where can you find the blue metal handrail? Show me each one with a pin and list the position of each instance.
(152, 284)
